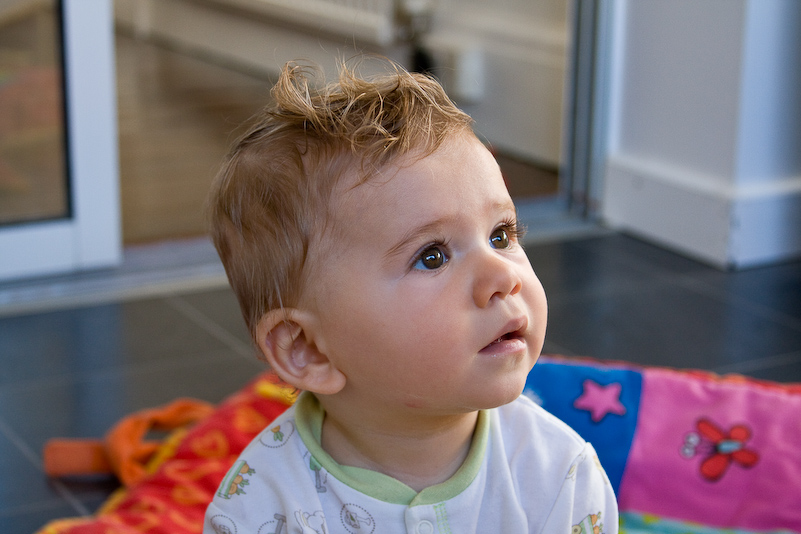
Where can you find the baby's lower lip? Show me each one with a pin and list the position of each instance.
(503, 346)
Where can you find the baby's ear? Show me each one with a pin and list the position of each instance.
(284, 339)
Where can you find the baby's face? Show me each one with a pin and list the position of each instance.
(425, 299)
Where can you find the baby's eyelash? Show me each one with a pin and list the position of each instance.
(514, 229)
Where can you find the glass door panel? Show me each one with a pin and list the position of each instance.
(59, 191)
(33, 168)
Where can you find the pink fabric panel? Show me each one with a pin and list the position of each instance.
(740, 468)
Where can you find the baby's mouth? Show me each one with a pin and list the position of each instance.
(510, 335)
(507, 337)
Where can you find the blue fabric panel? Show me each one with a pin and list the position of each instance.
(592, 400)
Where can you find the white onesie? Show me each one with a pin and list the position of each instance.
(526, 472)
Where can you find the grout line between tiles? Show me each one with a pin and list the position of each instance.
(81, 378)
(691, 283)
(36, 461)
(729, 298)
(551, 348)
(73, 501)
(20, 444)
(39, 507)
(759, 364)
(563, 297)
(201, 319)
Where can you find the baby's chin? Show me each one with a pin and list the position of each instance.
(506, 399)
(511, 390)
(501, 397)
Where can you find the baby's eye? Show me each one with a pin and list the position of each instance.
(500, 238)
(430, 259)
(507, 234)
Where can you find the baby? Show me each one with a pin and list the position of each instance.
(376, 256)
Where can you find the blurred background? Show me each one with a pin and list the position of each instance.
(676, 121)
(172, 80)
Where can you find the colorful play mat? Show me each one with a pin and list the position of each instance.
(687, 452)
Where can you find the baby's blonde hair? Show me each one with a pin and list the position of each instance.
(271, 198)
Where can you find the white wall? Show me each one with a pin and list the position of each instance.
(705, 144)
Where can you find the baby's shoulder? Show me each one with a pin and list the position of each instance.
(534, 450)
(272, 474)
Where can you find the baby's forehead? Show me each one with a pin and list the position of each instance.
(364, 179)
(407, 183)
(362, 198)
(373, 170)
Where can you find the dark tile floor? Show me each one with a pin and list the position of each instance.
(73, 372)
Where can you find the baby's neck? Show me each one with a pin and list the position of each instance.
(419, 455)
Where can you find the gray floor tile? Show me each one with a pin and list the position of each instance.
(87, 340)
(776, 288)
(91, 405)
(34, 516)
(221, 308)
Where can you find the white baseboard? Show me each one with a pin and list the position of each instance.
(728, 227)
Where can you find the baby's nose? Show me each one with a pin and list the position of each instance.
(496, 277)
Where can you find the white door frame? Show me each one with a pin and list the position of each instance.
(91, 237)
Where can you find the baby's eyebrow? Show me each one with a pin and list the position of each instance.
(413, 234)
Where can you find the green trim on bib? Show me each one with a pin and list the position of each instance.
(309, 416)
